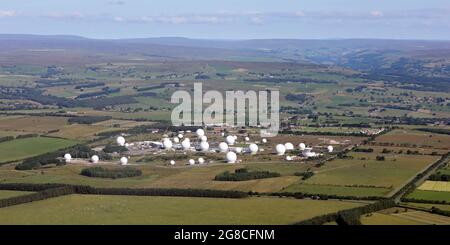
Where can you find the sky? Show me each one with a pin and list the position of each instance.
(229, 19)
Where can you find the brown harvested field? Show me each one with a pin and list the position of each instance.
(412, 138)
(32, 124)
(404, 216)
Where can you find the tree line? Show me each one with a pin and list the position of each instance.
(83, 189)
(77, 151)
(242, 174)
(101, 172)
(350, 216)
(88, 119)
(41, 195)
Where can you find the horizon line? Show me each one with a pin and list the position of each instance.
(221, 39)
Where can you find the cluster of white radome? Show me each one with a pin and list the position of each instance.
(202, 144)
(227, 147)
(307, 152)
(95, 158)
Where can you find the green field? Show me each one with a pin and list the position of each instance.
(22, 148)
(8, 194)
(391, 173)
(337, 190)
(92, 209)
(430, 195)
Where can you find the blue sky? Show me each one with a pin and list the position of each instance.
(229, 19)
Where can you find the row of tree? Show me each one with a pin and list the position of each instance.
(77, 151)
(82, 189)
(112, 173)
(349, 216)
(88, 119)
(41, 195)
(242, 174)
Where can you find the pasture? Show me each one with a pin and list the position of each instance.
(7, 194)
(413, 138)
(31, 124)
(92, 209)
(430, 195)
(337, 190)
(18, 149)
(391, 173)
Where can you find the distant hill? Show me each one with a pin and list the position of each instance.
(417, 61)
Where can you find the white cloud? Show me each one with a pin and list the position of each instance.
(61, 15)
(116, 2)
(376, 13)
(299, 13)
(119, 19)
(7, 13)
(256, 20)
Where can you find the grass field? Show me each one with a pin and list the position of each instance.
(91, 209)
(7, 194)
(391, 173)
(31, 124)
(435, 186)
(337, 190)
(28, 147)
(80, 131)
(153, 176)
(403, 137)
(430, 195)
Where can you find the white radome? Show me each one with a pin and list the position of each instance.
(289, 146)
(186, 144)
(223, 134)
(67, 157)
(238, 149)
(95, 159)
(235, 137)
(201, 160)
(204, 146)
(231, 157)
(191, 161)
(123, 161)
(330, 148)
(223, 147)
(167, 143)
(176, 140)
(302, 146)
(264, 140)
(180, 136)
(200, 132)
(247, 139)
(120, 141)
(204, 138)
(172, 162)
(253, 148)
(230, 140)
(281, 149)
(288, 158)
